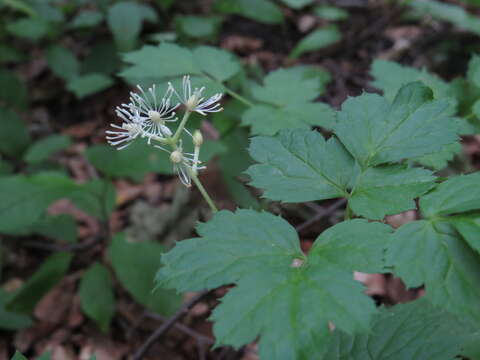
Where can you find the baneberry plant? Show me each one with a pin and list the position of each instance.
(306, 306)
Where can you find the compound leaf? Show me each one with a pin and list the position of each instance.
(44, 148)
(316, 40)
(376, 132)
(260, 253)
(299, 165)
(457, 194)
(422, 252)
(414, 331)
(389, 190)
(218, 63)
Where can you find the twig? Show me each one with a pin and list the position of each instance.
(323, 212)
(168, 324)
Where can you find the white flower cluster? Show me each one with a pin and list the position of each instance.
(145, 117)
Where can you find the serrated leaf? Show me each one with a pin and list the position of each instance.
(86, 19)
(23, 200)
(135, 265)
(96, 295)
(96, 197)
(14, 137)
(11, 320)
(469, 228)
(376, 132)
(457, 194)
(440, 159)
(260, 10)
(88, 84)
(260, 253)
(44, 148)
(50, 273)
(391, 76)
(63, 62)
(218, 63)
(288, 93)
(422, 252)
(299, 165)
(316, 40)
(356, 245)
(413, 331)
(389, 190)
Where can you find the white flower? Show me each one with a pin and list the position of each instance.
(184, 164)
(194, 101)
(125, 134)
(152, 114)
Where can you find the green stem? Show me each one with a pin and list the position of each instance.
(348, 212)
(237, 96)
(175, 137)
(202, 190)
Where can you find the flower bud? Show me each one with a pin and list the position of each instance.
(176, 156)
(197, 138)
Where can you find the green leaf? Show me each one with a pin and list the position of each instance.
(422, 252)
(42, 281)
(14, 137)
(29, 28)
(218, 63)
(133, 162)
(389, 190)
(11, 320)
(199, 26)
(299, 165)
(376, 132)
(135, 265)
(88, 84)
(18, 356)
(448, 12)
(44, 148)
(331, 13)
(259, 10)
(60, 227)
(175, 61)
(9, 54)
(260, 253)
(391, 76)
(356, 245)
(24, 200)
(316, 40)
(440, 159)
(413, 331)
(13, 92)
(96, 197)
(96, 295)
(289, 91)
(63, 62)
(125, 22)
(457, 194)
(473, 73)
(297, 4)
(103, 58)
(469, 228)
(86, 19)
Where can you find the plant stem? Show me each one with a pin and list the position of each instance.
(202, 190)
(175, 137)
(348, 212)
(237, 96)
